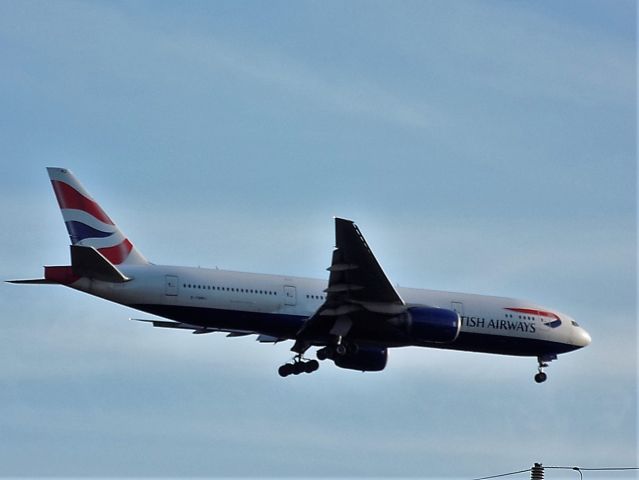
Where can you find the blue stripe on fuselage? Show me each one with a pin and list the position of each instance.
(505, 345)
(286, 326)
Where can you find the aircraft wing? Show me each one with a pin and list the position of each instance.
(355, 270)
(358, 289)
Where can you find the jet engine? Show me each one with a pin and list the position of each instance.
(365, 359)
(431, 324)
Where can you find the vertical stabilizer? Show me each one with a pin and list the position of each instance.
(88, 225)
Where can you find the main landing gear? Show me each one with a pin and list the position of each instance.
(543, 360)
(298, 366)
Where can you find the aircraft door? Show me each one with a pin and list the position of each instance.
(171, 285)
(290, 295)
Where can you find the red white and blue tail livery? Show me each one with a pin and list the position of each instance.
(88, 225)
(353, 318)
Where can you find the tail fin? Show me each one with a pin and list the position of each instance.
(87, 223)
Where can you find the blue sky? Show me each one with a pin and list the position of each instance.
(486, 147)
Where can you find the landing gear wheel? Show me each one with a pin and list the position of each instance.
(311, 366)
(285, 370)
(324, 353)
(340, 349)
(297, 367)
(540, 377)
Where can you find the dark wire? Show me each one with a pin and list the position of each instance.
(602, 469)
(503, 474)
(578, 469)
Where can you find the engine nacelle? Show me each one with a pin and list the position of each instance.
(431, 324)
(365, 359)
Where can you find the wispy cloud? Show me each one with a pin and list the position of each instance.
(519, 51)
(143, 51)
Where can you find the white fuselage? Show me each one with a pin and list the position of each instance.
(277, 306)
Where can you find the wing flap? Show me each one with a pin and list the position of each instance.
(269, 339)
(195, 329)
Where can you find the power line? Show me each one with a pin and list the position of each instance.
(577, 469)
(503, 474)
(601, 469)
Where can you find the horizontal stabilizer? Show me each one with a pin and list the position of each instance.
(88, 262)
(34, 281)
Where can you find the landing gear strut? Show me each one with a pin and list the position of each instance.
(298, 366)
(543, 360)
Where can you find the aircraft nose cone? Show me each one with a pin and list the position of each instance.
(581, 338)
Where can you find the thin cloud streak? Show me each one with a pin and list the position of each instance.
(196, 61)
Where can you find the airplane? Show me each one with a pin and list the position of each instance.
(353, 318)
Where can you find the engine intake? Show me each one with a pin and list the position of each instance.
(365, 359)
(431, 324)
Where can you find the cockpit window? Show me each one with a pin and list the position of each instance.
(574, 324)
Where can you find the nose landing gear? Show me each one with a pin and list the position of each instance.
(540, 377)
(543, 360)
